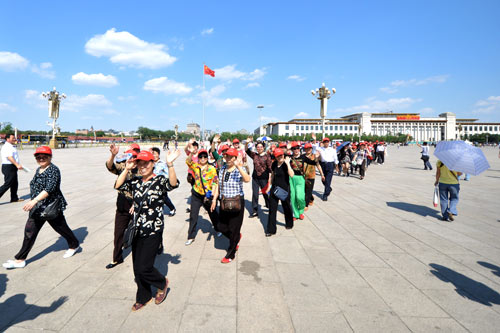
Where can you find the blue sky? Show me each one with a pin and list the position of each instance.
(125, 64)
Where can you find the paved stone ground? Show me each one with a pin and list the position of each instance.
(373, 258)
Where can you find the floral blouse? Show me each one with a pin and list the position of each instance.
(49, 181)
(209, 177)
(149, 219)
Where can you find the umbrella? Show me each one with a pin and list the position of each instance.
(342, 145)
(461, 157)
(264, 138)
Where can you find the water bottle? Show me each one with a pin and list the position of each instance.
(122, 157)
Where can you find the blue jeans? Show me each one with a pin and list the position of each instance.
(448, 197)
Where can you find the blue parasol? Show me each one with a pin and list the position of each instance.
(462, 157)
(264, 138)
(342, 145)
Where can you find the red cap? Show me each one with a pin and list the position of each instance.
(43, 150)
(282, 145)
(295, 144)
(135, 146)
(236, 141)
(232, 152)
(223, 147)
(326, 139)
(308, 145)
(201, 151)
(131, 151)
(278, 151)
(338, 144)
(145, 156)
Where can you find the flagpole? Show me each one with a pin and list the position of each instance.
(203, 103)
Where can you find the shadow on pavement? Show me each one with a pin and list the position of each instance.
(3, 283)
(162, 262)
(61, 244)
(15, 310)
(413, 168)
(466, 287)
(494, 268)
(417, 209)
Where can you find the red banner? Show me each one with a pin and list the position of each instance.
(408, 117)
(208, 71)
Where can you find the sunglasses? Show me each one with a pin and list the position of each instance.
(41, 157)
(295, 148)
(203, 156)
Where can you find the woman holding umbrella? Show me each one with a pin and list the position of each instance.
(448, 190)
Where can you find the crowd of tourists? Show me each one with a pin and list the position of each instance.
(283, 173)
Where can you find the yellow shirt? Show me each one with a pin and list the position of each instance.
(446, 176)
(209, 177)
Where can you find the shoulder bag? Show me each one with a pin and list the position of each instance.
(50, 212)
(229, 204)
(131, 231)
(278, 191)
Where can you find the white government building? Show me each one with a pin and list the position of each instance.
(444, 127)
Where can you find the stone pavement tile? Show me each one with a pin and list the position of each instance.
(319, 322)
(16, 329)
(426, 325)
(467, 310)
(208, 318)
(353, 298)
(331, 229)
(357, 254)
(375, 242)
(261, 307)
(490, 269)
(287, 250)
(99, 315)
(399, 294)
(215, 284)
(309, 236)
(215, 247)
(304, 290)
(120, 285)
(414, 271)
(381, 321)
(256, 264)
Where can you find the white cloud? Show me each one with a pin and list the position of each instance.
(166, 86)
(126, 49)
(413, 82)
(174, 104)
(126, 98)
(302, 115)
(89, 103)
(374, 105)
(207, 31)
(253, 85)
(7, 107)
(99, 79)
(10, 61)
(222, 104)
(35, 98)
(297, 78)
(488, 105)
(44, 70)
(229, 72)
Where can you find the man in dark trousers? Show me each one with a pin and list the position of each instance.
(123, 202)
(10, 165)
(261, 175)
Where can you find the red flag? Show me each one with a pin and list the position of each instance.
(208, 71)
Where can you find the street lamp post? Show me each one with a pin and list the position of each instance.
(323, 94)
(54, 102)
(260, 107)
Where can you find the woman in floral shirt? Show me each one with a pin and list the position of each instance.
(148, 196)
(205, 178)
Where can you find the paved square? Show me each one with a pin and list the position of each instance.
(374, 258)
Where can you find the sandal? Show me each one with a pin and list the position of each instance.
(137, 306)
(161, 294)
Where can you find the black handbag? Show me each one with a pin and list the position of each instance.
(206, 201)
(49, 212)
(131, 231)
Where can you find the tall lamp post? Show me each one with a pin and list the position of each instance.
(260, 107)
(323, 94)
(54, 101)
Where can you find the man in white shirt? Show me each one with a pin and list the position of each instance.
(328, 161)
(381, 153)
(10, 165)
